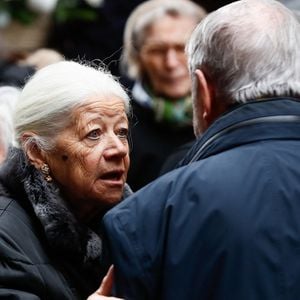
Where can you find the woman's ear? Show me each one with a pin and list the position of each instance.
(34, 154)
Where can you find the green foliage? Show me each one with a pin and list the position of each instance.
(65, 10)
(73, 9)
(18, 10)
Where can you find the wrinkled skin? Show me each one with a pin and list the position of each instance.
(91, 158)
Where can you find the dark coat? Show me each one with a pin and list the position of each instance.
(174, 160)
(14, 74)
(101, 38)
(151, 144)
(227, 225)
(45, 252)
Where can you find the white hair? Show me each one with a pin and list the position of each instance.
(249, 49)
(8, 98)
(48, 99)
(143, 16)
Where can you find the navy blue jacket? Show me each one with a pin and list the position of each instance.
(226, 225)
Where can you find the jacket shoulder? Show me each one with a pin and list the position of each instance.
(20, 276)
(16, 223)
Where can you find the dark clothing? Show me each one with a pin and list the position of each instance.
(174, 159)
(45, 252)
(212, 5)
(225, 226)
(152, 143)
(100, 38)
(13, 74)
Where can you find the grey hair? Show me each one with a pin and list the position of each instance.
(48, 98)
(297, 14)
(8, 98)
(249, 50)
(143, 16)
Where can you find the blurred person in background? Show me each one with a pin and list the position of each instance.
(153, 56)
(24, 27)
(8, 99)
(77, 29)
(93, 29)
(16, 68)
(11, 73)
(41, 58)
(68, 166)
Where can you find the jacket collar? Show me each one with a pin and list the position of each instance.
(267, 119)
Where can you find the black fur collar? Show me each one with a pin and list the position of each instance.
(66, 236)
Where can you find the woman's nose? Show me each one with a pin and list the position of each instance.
(116, 147)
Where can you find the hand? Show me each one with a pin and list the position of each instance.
(105, 288)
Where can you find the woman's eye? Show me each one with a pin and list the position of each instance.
(123, 133)
(94, 134)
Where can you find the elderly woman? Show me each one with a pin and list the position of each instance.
(154, 43)
(68, 168)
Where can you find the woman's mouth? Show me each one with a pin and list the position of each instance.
(114, 177)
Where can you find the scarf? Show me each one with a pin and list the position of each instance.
(172, 112)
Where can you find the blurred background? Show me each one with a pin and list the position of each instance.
(77, 29)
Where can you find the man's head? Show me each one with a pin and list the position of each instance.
(154, 42)
(247, 50)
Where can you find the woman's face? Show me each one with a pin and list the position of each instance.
(91, 157)
(162, 57)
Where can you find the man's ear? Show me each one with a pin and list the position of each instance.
(207, 97)
(34, 154)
